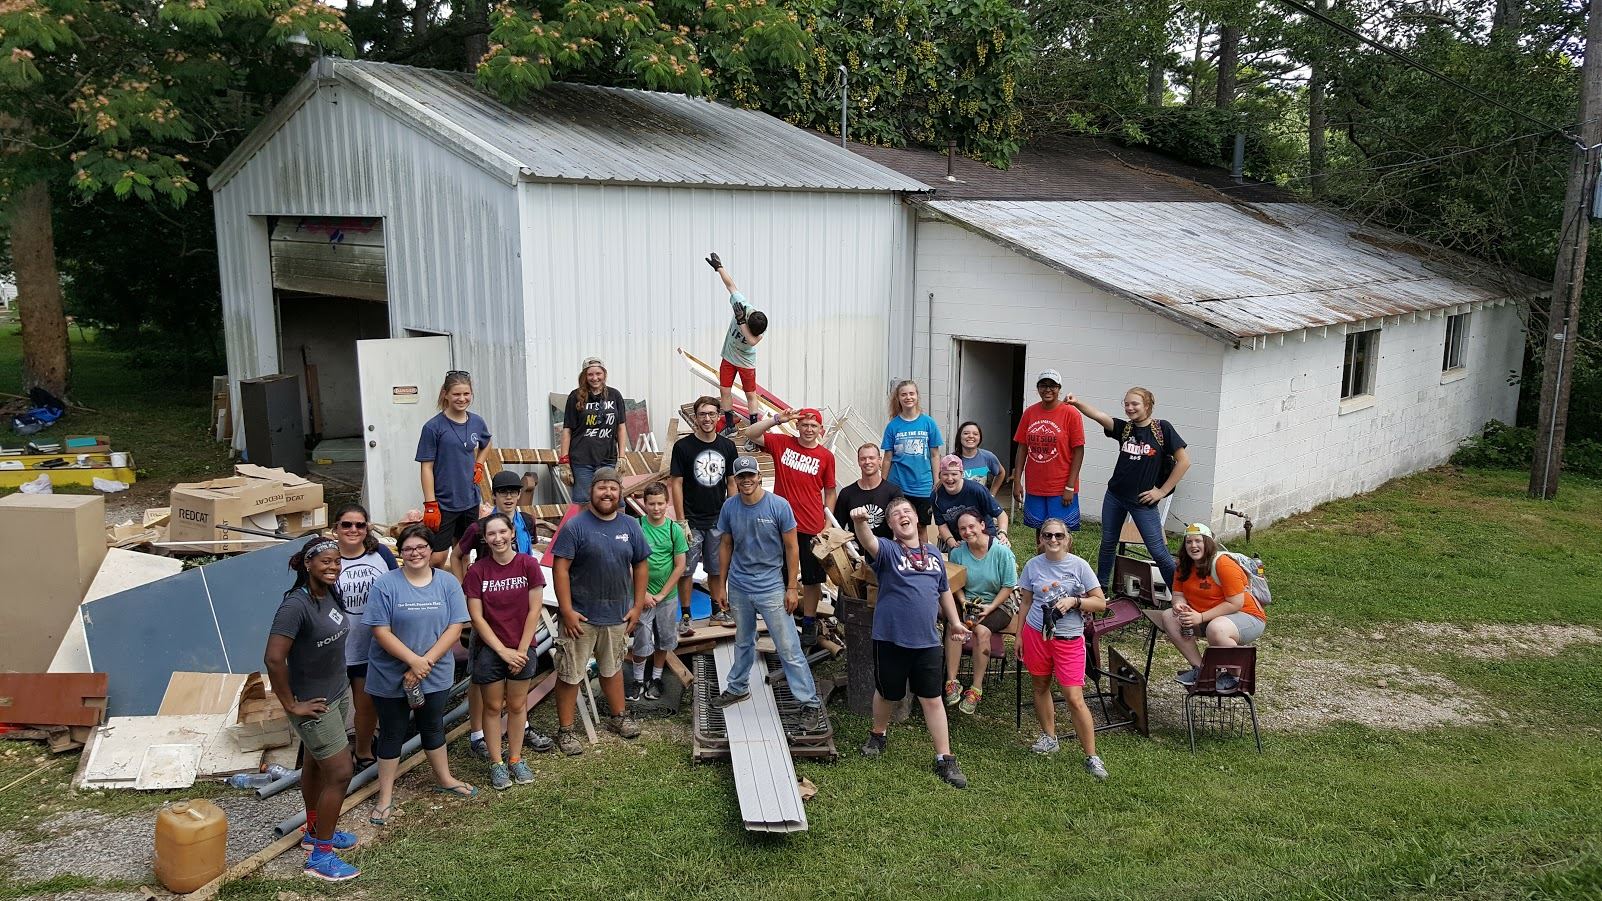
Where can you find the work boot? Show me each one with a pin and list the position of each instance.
(726, 697)
(875, 744)
(568, 741)
(814, 720)
(809, 635)
(623, 725)
(948, 771)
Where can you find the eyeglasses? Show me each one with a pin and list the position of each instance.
(1053, 536)
(352, 525)
(708, 413)
(416, 549)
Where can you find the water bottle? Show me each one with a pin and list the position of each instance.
(250, 780)
(414, 696)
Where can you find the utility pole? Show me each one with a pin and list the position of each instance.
(1563, 317)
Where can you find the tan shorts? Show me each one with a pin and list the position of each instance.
(605, 643)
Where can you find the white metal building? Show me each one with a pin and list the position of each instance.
(386, 202)
(1302, 356)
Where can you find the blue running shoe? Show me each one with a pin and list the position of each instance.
(342, 841)
(327, 866)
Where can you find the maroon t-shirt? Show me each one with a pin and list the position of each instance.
(504, 591)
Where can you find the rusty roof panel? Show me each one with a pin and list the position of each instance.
(1238, 270)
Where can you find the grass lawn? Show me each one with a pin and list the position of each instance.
(163, 425)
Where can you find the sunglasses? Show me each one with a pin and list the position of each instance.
(458, 372)
(1053, 536)
(352, 525)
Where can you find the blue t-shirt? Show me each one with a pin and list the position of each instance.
(981, 467)
(1049, 582)
(756, 568)
(910, 585)
(453, 449)
(604, 552)
(418, 617)
(908, 443)
(948, 506)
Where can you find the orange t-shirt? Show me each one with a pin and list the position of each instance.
(1203, 593)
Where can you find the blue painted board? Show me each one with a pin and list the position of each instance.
(141, 636)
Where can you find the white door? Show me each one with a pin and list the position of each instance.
(400, 386)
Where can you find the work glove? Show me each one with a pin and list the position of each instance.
(480, 474)
(431, 515)
(713, 261)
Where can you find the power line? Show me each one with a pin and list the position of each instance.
(1309, 11)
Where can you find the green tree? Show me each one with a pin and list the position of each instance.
(105, 97)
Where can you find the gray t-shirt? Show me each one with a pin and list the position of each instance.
(1049, 582)
(756, 568)
(418, 617)
(317, 657)
(603, 551)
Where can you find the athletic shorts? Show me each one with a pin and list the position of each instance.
(1040, 507)
(895, 667)
(488, 667)
(452, 526)
(604, 643)
(354, 671)
(324, 736)
(1062, 657)
(1250, 627)
(925, 509)
(726, 373)
(703, 550)
(658, 630)
(811, 567)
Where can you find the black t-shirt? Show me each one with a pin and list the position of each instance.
(705, 468)
(1143, 462)
(877, 500)
(594, 423)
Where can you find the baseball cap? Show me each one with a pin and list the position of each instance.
(506, 480)
(1198, 528)
(950, 460)
(809, 413)
(592, 361)
(606, 474)
(1049, 375)
(746, 464)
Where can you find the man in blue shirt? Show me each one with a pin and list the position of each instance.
(759, 552)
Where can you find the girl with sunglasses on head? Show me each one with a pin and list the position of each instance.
(1058, 588)
(362, 559)
(451, 453)
(305, 662)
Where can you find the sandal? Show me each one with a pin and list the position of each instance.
(380, 815)
(461, 791)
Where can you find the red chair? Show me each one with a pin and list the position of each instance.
(1121, 612)
(1240, 662)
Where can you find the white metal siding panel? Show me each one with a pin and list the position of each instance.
(616, 272)
(1100, 343)
(1286, 446)
(452, 245)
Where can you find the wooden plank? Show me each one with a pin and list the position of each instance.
(53, 699)
(680, 671)
(759, 750)
(189, 693)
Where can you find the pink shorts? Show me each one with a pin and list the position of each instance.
(1064, 657)
(727, 371)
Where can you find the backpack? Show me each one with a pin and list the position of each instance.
(1256, 574)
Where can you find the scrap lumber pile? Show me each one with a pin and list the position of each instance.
(59, 709)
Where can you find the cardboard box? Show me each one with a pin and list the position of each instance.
(300, 494)
(197, 510)
(301, 523)
(51, 546)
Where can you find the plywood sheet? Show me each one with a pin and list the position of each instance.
(168, 767)
(54, 699)
(201, 693)
(120, 571)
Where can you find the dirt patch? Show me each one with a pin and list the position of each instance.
(1499, 642)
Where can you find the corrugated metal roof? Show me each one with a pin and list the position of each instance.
(1237, 270)
(585, 133)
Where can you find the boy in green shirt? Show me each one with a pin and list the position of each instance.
(658, 632)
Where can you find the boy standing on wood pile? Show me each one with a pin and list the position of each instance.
(739, 349)
(658, 632)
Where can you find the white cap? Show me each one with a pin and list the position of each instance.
(1049, 375)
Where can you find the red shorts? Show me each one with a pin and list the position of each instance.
(1063, 657)
(726, 371)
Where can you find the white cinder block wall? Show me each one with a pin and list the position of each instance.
(1101, 343)
(1285, 444)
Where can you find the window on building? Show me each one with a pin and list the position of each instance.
(1455, 354)
(1362, 353)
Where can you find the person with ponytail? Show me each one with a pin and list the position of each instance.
(305, 661)
(362, 559)
(451, 452)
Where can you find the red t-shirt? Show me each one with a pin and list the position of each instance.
(801, 475)
(504, 591)
(1050, 436)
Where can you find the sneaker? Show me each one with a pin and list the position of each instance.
(726, 697)
(814, 719)
(568, 741)
(500, 777)
(809, 635)
(521, 774)
(327, 866)
(948, 771)
(653, 691)
(970, 700)
(624, 725)
(1188, 677)
(1096, 768)
(636, 691)
(479, 748)
(953, 692)
(342, 841)
(875, 744)
(1045, 744)
(722, 618)
(537, 742)
(1226, 682)
(684, 626)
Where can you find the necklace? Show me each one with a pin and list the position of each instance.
(460, 436)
